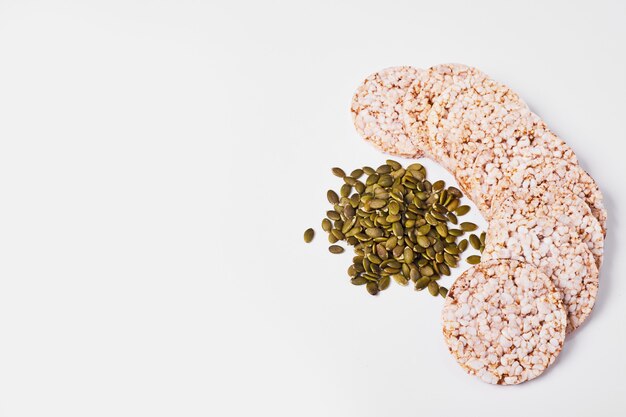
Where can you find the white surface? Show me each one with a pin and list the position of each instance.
(159, 162)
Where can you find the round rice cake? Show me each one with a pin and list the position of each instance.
(525, 173)
(544, 231)
(504, 322)
(468, 116)
(377, 110)
(531, 139)
(419, 98)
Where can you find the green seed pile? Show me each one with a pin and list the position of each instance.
(402, 227)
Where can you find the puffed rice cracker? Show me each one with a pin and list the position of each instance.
(531, 138)
(377, 110)
(525, 173)
(469, 117)
(503, 321)
(546, 230)
(428, 86)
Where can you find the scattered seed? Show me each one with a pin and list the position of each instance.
(473, 260)
(332, 196)
(335, 249)
(338, 172)
(462, 210)
(468, 227)
(443, 291)
(433, 288)
(309, 234)
(474, 241)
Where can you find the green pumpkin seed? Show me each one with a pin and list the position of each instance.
(462, 210)
(443, 291)
(335, 249)
(332, 196)
(423, 241)
(442, 229)
(333, 215)
(468, 227)
(338, 172)
(473, 260)
(357, 173)
(463, 245)
(372, 288)
(455, 232)
(409, 255)
(452, 249)
(449, 260)
(483, 236)
(398, 230)
(326, 225)
(345, 190)
(474, 241)
(359, 281)
(400, 279)
(383, 169)
(455, 192)
(421, 283)
(433, 288)
(453, 204)
(338, 234)
(383, 283)
(309, 234)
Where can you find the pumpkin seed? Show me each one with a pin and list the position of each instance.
(433, 288)
(383, 283)
(357, 173)
(473, 260)
(443, 291)
(474, 241)
(335, 249)
(309, 234)
(421, 283)
(359, 281)
(462, 210)
(400, 279)
(338, 172)
(468, 227)
(326, 225)
(333, 215)
(372, 288)
(393, 164)
(463, 245)
(332, 196)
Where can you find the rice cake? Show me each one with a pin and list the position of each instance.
(543, 231)
(531, 139)
(377, 110)
(467, 117)
(525, 173)
(419, 98)
(504, 322)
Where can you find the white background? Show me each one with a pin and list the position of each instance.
(159, 161)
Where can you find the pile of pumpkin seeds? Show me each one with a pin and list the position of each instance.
(402, 227)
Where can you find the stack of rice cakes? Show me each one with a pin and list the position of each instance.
(505, 319)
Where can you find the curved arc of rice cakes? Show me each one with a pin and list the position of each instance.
(504, 322)
(544, 230)
(467, 117)
(418, 100)
(377, 110)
